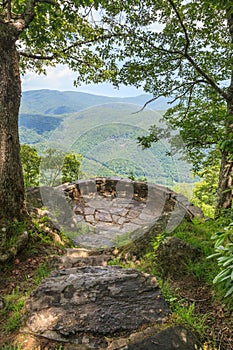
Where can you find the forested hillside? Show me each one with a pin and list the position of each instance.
(60, 102)
(104, 130)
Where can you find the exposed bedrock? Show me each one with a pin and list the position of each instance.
(98, 307)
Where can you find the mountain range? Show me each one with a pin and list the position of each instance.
(104, 130)
(62, 102)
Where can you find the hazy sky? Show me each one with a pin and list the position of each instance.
(61, 78)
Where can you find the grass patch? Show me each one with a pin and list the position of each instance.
(11, 347)
(199, 234)
(12, 311)
(9, 235)
(14, 302)
(184, 313)
(41, 273)
(187, 316)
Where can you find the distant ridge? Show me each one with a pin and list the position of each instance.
(54, 102)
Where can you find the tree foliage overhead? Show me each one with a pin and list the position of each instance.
(54, 32)
(178, 49)
(181, 50)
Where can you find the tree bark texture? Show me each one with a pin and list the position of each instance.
(224, 193)
(11, 176)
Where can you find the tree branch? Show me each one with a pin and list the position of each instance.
(24, 20)
(190, 87)
(64, 51)
(191, 60)
(201, 72)
(209, 80)
(176, 88)
(182, 25)
(38, 57)
(147, 103)
(51, 2)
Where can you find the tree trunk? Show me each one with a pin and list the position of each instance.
(11, 177)
(224, 193)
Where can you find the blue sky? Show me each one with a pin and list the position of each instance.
(61, 78)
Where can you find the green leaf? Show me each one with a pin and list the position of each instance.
(213, 255)
(221, 275)
(229, 292)
(226, 261)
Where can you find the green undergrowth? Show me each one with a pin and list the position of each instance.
(39, 246)
(11, 347)
(9, 235)
(42, 229)
(41, 273)
(11, 313)
(198, 234)
(183, 312)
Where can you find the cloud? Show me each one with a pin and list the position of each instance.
(62, 78)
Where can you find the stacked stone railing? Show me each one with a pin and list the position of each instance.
(105, 210)
(161, 208)
(138, 190)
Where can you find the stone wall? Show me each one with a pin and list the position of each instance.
(136, 190)
(108, 212)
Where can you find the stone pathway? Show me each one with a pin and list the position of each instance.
(109, 219)
(85, 304)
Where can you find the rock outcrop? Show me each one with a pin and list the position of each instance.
(174, 255)
(172, 338)
(102, 308)
(93, 306)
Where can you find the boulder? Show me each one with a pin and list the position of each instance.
(93, 306)
(172, 338)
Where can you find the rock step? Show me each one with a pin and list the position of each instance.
(79, 257)
(103, 308)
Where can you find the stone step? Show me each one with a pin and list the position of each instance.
(103, 308)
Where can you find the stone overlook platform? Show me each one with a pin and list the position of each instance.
(113, 208)
(106, 212)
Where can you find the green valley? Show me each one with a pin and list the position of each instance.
(104, 130)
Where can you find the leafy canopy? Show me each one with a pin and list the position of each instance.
(180, 50)
(31, 165)
(52, 32)
(58, 167)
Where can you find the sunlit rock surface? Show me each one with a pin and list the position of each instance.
(85, 306)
